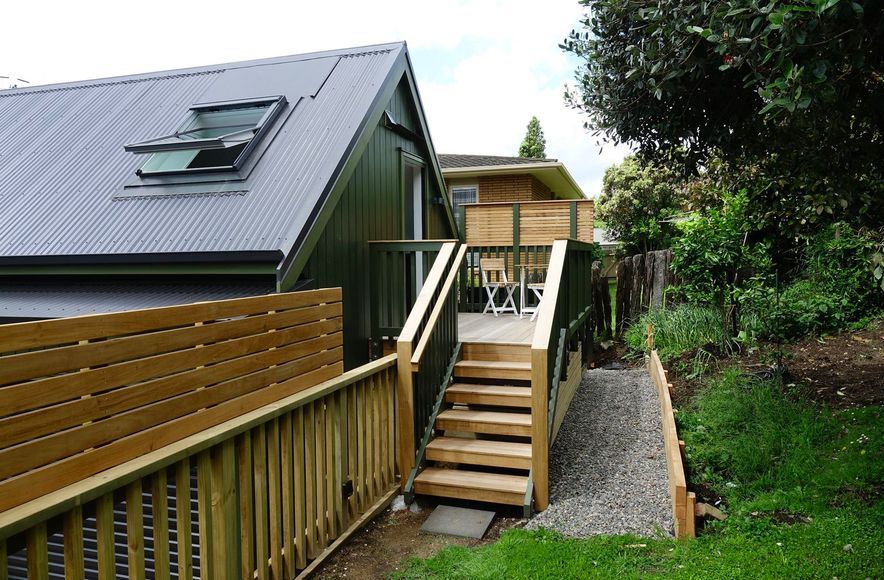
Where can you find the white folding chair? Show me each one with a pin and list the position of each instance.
(534, 284)
(488, 266)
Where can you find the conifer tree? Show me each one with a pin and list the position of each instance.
(534, 144)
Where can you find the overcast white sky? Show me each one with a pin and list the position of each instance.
(483, 67)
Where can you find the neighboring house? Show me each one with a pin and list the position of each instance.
(492, 178)
(609, 247)
(213, 182)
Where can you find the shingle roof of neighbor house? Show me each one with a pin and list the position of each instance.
(69, 193)
(551, 172)
(447, 161)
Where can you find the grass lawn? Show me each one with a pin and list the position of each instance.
(801, 485)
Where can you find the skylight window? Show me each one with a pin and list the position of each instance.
(215, 137)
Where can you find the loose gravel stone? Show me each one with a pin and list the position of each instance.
(607, 466)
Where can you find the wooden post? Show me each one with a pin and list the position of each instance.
(517, 257)
(624, 294)
(405, 401)
(650, 262)
(638, 280)
(540, 427)
(573, 229)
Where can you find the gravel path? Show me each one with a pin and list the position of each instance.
(607, 467)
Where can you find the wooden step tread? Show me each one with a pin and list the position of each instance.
(461, 478)
(495, 364)
(487, 422)
(481, 447)
(497, 417)
(501, 390)
(493, 369)
(493, 395)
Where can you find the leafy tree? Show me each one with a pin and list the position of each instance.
(534, 144)
(715, 260)
(791, 90)
(638, 199)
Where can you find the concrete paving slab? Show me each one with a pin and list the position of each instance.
(458, 521)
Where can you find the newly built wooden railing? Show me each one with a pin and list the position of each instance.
(213, 440)
(397, 271)
(522, 233)
(427, 348)
(561, 339)
(526, 265)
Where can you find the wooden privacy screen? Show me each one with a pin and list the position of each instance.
(683, 501)
(81, 395)
(533, 223)
(258, 496)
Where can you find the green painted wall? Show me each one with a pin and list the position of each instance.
(371, 208)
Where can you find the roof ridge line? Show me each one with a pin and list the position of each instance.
(103, 83)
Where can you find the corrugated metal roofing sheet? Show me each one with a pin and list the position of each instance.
(38, 298)
(63, 168)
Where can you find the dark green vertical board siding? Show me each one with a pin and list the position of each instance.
(370, 209)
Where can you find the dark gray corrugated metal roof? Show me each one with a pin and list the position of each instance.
(450, 161)
(42, 298)
(63, 168)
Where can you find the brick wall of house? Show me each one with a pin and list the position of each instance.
(512, 188)
(539, 190)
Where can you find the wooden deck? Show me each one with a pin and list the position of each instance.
(506, 328)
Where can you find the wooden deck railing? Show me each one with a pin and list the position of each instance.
(427, 347)
(533, 259)
(522, 233)
(274, 488)
(398, 269)
(560, 340)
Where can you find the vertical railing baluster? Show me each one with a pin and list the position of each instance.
(73, 545)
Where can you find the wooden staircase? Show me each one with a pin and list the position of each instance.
(481, 449)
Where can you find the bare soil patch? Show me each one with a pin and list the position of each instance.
(385, 544)
(840, 371)
(844, 370)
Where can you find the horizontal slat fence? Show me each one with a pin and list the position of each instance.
(271, 489)
(81, 395)
(529, 223)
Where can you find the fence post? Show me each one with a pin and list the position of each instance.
(573, 220)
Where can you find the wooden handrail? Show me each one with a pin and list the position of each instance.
(437, 309)
(428, 291)
(540, 375)
(413, 242)
(561, 317)
(547, 311)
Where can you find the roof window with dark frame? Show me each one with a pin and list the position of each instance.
(214, 137)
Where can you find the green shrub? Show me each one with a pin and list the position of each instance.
(834, 287)
(677, 330)
(715, 258)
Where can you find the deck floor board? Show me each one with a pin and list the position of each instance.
(506, 328)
